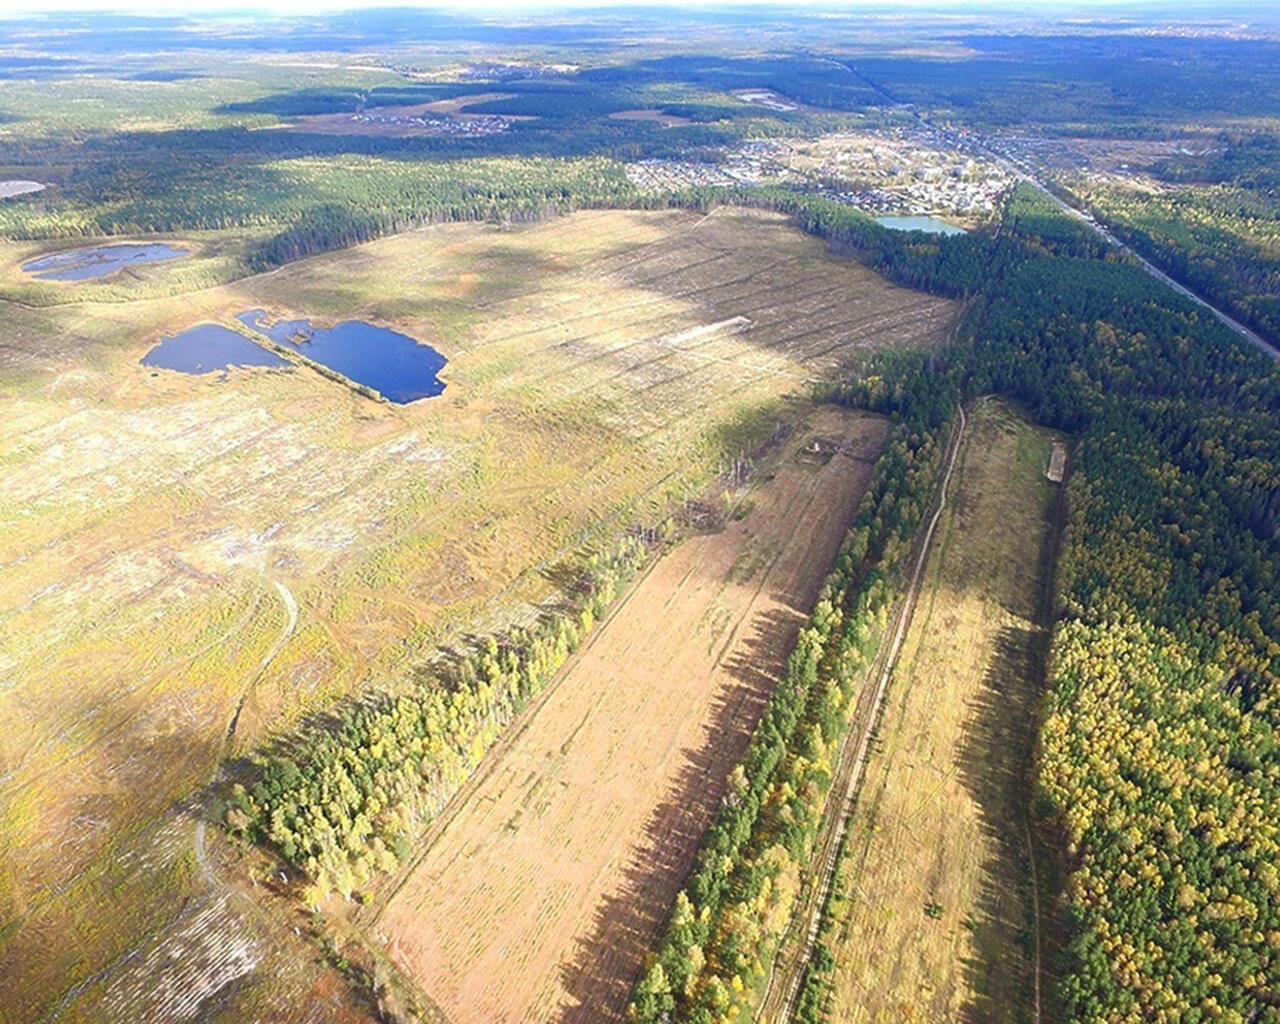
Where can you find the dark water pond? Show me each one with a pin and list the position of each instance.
(98, 261)
(393, 364)
(208, 347)
(934, 225)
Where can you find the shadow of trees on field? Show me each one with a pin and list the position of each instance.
(607, 964)
(994, 760)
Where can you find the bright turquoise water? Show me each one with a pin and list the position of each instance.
(934, 225)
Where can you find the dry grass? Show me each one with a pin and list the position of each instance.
(148, 516)
(539, 899)
(935, 917)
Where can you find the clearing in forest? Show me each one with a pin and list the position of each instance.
(934, 913)
(152, 522)
(543, 891)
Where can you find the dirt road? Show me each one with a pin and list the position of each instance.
(788, 970)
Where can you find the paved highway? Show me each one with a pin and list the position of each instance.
(1254, 339)
(1023, 175)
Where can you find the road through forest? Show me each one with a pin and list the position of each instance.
(789, 965)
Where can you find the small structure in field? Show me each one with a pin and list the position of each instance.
(1057, 463)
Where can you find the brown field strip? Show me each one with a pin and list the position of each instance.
(933, 906)
(540, 897)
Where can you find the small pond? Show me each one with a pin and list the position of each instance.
(392, 364)
(98, 261)
(208, 347)
(934, 225)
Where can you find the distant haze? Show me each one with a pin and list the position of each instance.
(302, 7)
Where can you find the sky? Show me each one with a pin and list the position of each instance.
(296, 7)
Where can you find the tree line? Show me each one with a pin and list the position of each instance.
(713, 958)
(347, 800)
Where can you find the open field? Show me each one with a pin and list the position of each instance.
(539, 898)
(934, 915)
(180, 553)
(436, 118)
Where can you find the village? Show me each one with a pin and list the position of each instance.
(466, 126)
(891, 173)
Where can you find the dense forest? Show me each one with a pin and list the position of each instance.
(1160, 759)
(561, 149)
(1115, 84)
(1221, 241)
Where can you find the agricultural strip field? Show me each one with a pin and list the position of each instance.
(180, 554)
(542, 893)
(933, 908)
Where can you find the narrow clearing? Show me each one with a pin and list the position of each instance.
(540, 896)
(936, 877)
(788, 970)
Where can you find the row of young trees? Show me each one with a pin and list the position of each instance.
(345, 803)
(713, 958)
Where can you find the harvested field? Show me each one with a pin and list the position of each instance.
(934, 907)
(152, 522)
(541, 894)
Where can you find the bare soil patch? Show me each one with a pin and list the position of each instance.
(16, 187)
(541, 895)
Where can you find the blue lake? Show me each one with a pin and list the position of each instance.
(392, 364)
(934, 225)
(208, 347)
(98, 261)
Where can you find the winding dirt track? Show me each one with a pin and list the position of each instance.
(541, 895)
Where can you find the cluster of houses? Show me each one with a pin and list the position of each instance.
(751, 163)
(906, 175)
(471, 126)
(676, 175)
(906, 180)
(922, 197)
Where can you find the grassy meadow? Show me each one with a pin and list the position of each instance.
(933, 915)
(182, 554)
